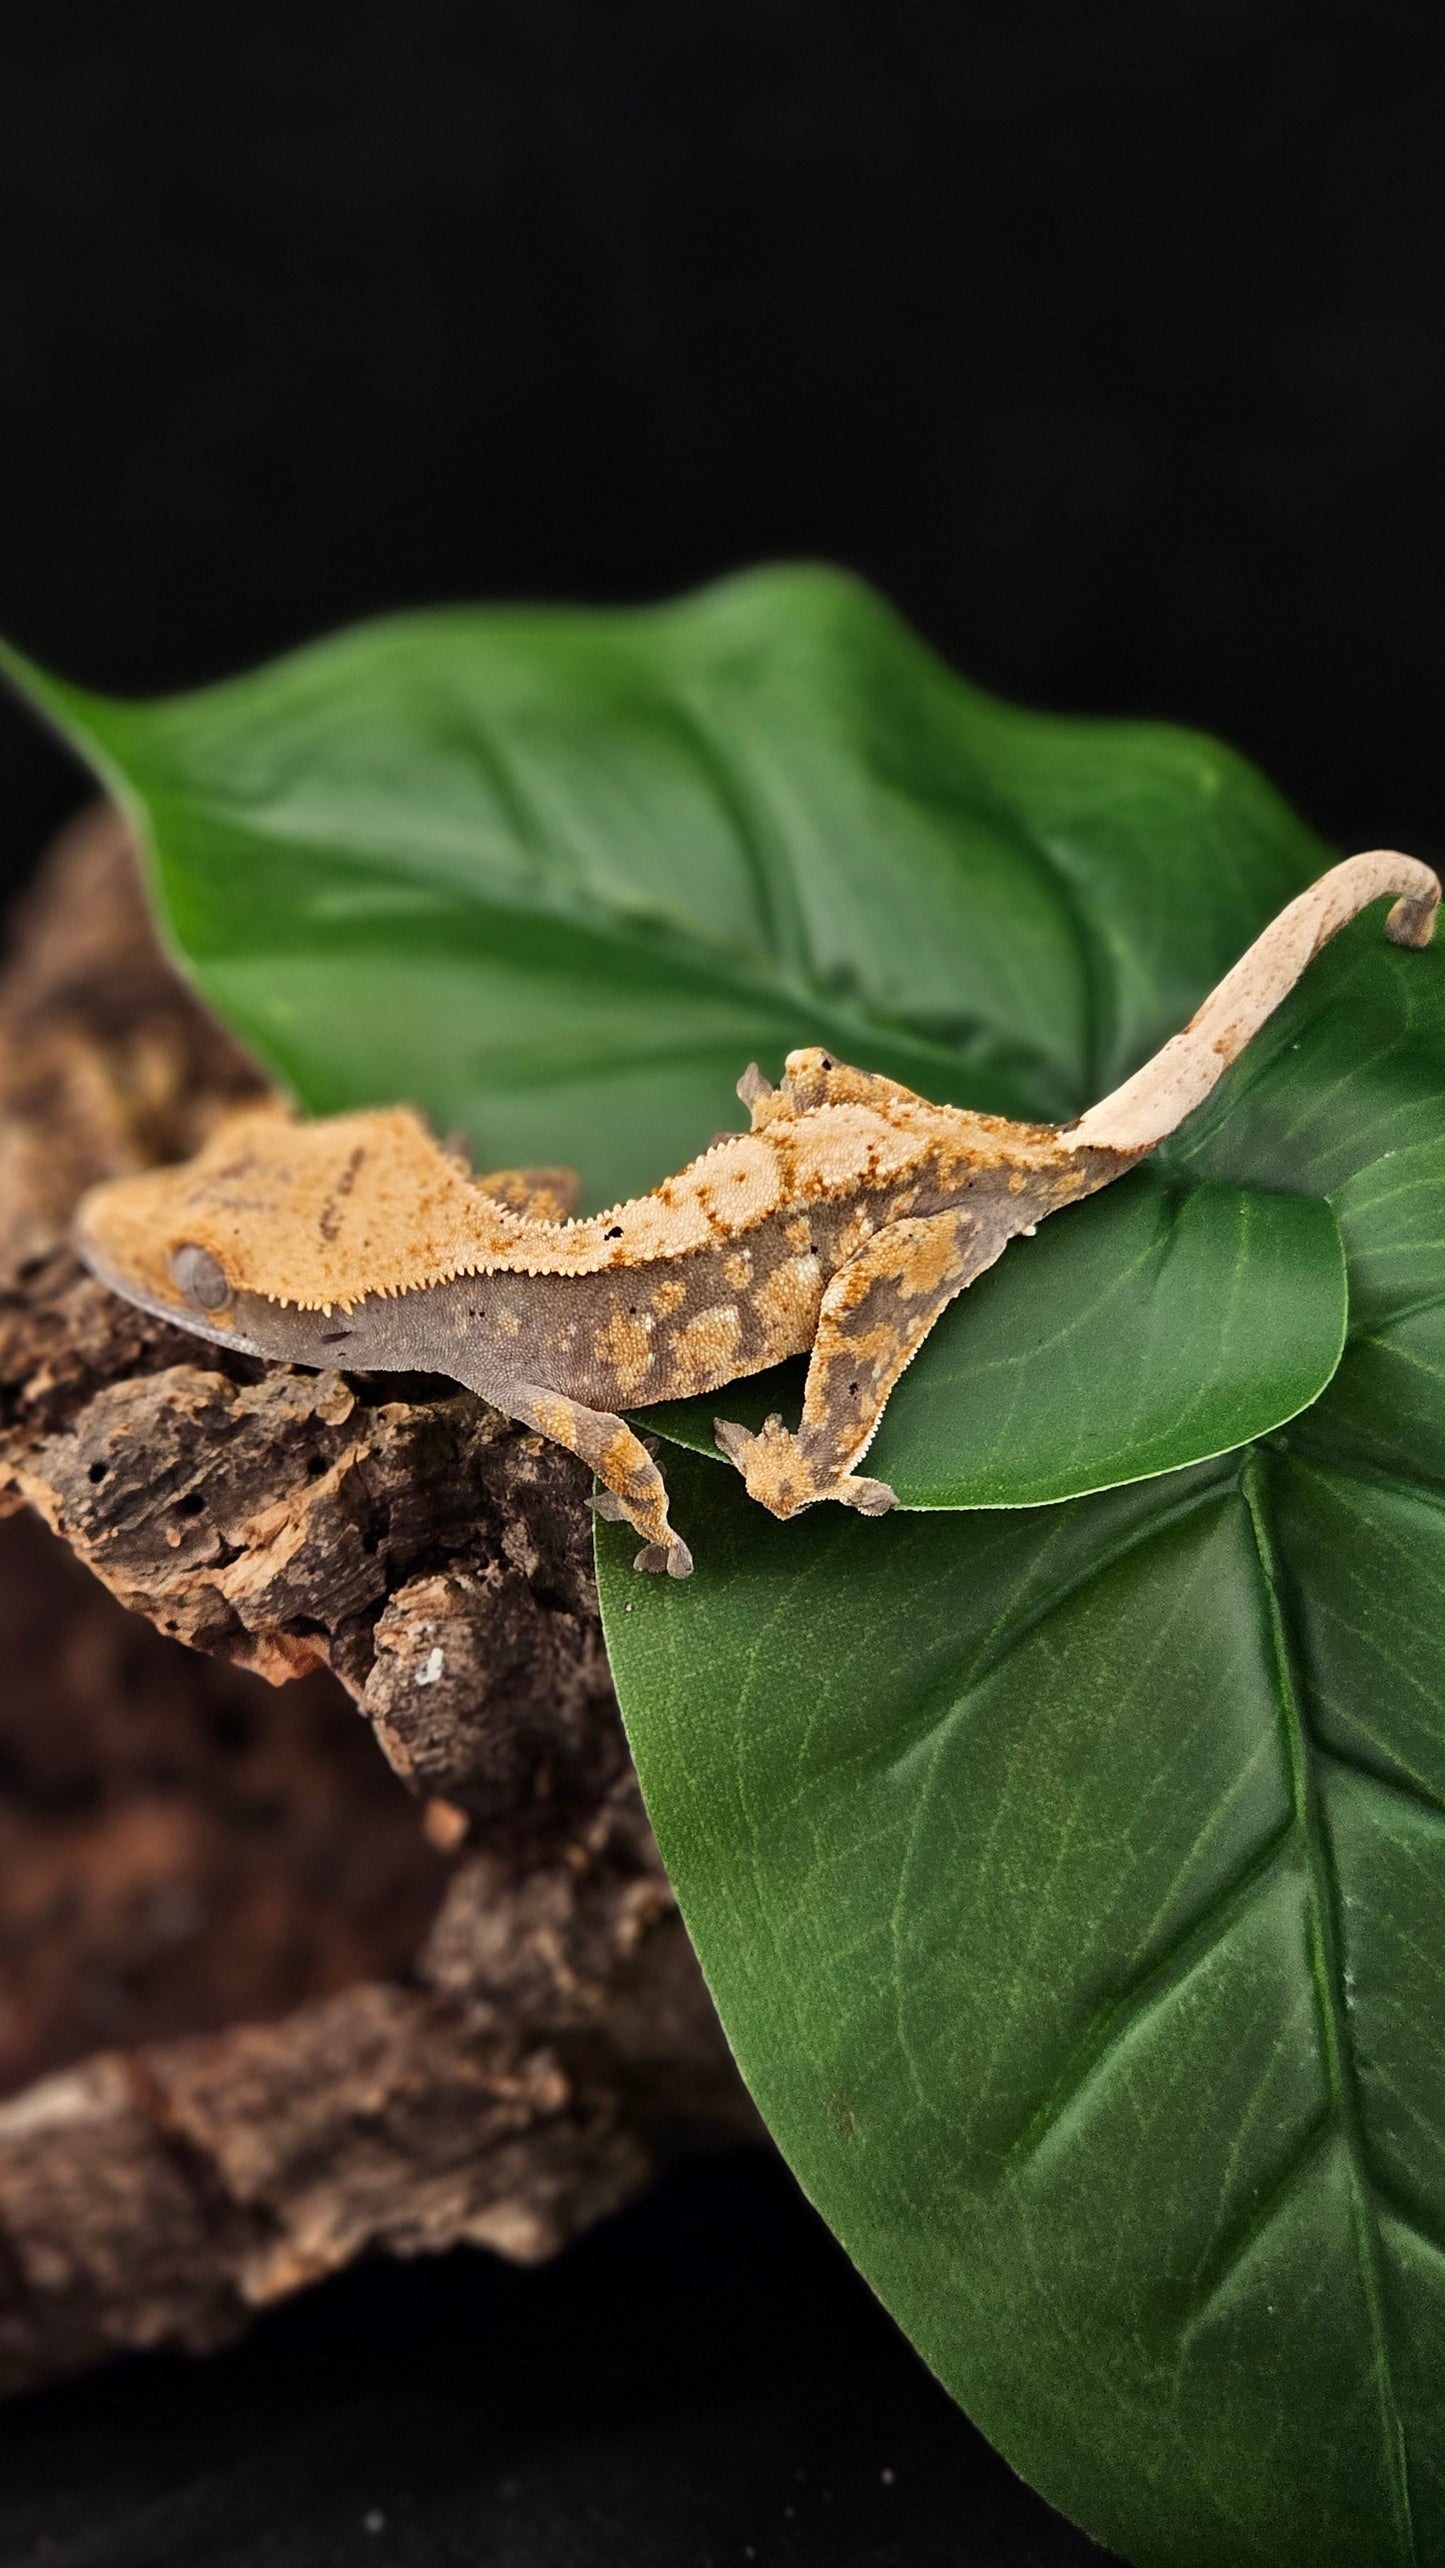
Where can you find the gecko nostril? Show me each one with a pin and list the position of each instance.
(201, 1277)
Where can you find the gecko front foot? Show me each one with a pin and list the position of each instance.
(778, 1473)
(670, 1554)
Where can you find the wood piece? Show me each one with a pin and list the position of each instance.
(497, 2030)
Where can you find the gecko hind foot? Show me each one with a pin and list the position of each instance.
(771, 1464)
(673, 1556)
(777, 1472)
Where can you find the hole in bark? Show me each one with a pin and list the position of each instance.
(193, 1504)
(97, 1473)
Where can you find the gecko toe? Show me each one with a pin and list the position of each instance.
(732, 1439)
(612, 1509)
(672, 1556)
(869, 1497)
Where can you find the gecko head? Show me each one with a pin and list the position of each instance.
(277, 1211)
(134, 1235)
(812, 1077)
(173, 1239)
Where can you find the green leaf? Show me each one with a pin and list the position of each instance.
(558, 876)
(1072, 1886)
(1140, 1332)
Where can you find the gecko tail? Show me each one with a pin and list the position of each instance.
(1133, 1119)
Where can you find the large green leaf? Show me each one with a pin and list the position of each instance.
(558, 877)
(1072, 1885)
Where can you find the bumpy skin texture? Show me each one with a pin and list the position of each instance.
(840, 1226)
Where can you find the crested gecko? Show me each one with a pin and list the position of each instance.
(840, 1226)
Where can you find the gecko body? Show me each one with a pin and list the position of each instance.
(840, 1227)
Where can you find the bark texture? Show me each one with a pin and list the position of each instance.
(336, 2013)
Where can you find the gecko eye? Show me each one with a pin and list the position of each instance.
(201, 1277)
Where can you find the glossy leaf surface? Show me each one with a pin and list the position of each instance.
(559, 876)
(1072, 1884)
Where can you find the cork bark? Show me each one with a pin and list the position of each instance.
(264, 2006)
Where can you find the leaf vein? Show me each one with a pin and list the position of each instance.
(1112, 2030)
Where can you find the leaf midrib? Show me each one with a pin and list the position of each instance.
(1327, 1978)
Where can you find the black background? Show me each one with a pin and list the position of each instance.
(1109, 341)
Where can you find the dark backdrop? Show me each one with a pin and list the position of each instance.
(1108, 340)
